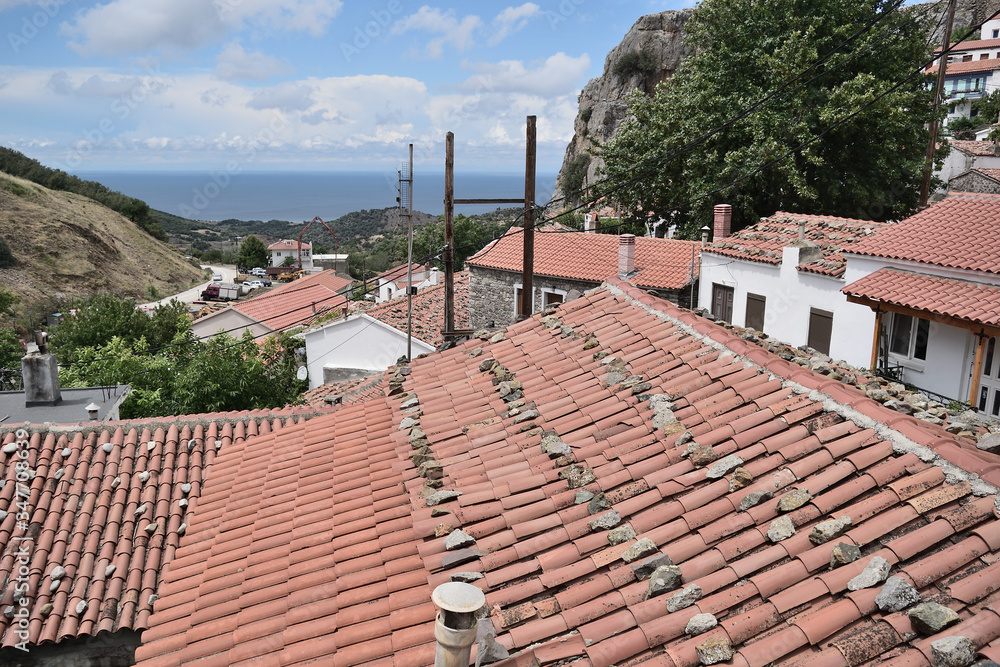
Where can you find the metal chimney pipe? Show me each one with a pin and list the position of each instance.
(704, 234)
(456, 624)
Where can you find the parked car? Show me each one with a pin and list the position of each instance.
(266, 281)
(217, 278)
(258, 271)
(253, 284)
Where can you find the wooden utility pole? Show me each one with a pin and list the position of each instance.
(528, 263)
(406, 202)
(925, 186)
(449, 234)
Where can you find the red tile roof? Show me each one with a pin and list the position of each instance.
(764, 241)
(428, 310)
(968, 67)
(961, 299)
(357, 390)
(285, 244)
(297, 302)
(989, 173)
(976, 148)
(318, 545)
(660, 263)
(962, 231)
(106, 506)
(973, 44)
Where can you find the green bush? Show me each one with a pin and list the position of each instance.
(633, 63)
(7, 258)
(574, 175)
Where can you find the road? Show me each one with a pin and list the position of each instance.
(193, 294)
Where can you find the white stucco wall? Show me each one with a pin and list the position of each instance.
(229, 320)
(790, 294)
(360, 342)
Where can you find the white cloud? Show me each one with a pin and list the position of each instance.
(233, 63)
(458, 33)
(285, 96)
(511, 20)
(559, 74)
(184, 25)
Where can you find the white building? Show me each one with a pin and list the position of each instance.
(966, 156)
(286, 248)
(392, 283)
(973, 71)
(783, 276)
(919, 298)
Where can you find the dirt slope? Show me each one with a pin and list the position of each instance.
(67, 245)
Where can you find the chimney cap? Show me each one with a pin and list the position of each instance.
(92, 406)
(458, 597)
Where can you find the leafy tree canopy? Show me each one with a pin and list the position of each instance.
(987, 108)
(253, 253)
(869, 167)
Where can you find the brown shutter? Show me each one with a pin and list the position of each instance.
(820, 330)
(755, 311)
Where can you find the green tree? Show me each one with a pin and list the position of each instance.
(252, 253)
(7, 301)
(963, 128)
(11, 349)
(744, 51)
(987, 107)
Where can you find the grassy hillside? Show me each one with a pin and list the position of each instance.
(66, 245)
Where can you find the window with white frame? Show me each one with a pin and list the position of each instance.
(553, 297)
(908, 337)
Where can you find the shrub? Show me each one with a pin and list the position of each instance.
(574, 175)
(7, 258)
(633, 63)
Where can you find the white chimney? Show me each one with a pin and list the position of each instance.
(93, 411)
(456, 625)
(40, 375)
(591, 223)
(626, 255)
(723, 221)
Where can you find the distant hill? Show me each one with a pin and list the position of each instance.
(67, 245)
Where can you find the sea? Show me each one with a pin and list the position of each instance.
(303, 195)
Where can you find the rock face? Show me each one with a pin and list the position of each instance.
(603, 104)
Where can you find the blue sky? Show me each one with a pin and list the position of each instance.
(298, 84)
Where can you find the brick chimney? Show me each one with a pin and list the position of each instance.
(723, 221)
(626, 255)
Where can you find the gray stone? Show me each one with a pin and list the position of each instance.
(185, 488)
(714, 650)
(58, 573)
(583, 496)
(880, 395)
(828, 530)
(781, 529)
(722, 467)
(741, 479)
(642, 548)
(553, 445)
(843, 554)
(143, 476)
(928, 417)
(683, 439)
(591, 342)
(81, 607)
(486, 364)
(458, 539)
(917, 400)
(497, 337)
(754, 498)
(900, 406)
(488, 650)
(8, 612)
(598, 503)
(10, 448)
(410, 403)
(896, 594)
(108, 571)
(990, 442)
(700, 455)
(466, 577)
(66, 452)
(181, 529)
(476, 352)
(408, 422)
(794, 500)
(621, 534)
(874, 574)
(644, 569)
(955, 427)
(605, 521)
(108, 447)
(527, 415)
(430, 469)
(684, 598)
(442, 496)
(577, 476)
(931, 618)
(953, 652)
(152, 527)
(663, 580)
(700, 623)
(509, 387)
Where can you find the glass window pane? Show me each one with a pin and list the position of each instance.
(988, 364)
(899, 339)
(920, 344)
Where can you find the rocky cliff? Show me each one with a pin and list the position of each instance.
(650, 52)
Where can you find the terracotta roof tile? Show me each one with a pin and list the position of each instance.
(428, 310)
(961, 299)
(764, 241)
(560, 592)
(977, 148)
(659, 263)
(969, 222)
(298, 302)
(987, 65)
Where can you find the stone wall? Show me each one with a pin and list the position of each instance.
(491, 295)
(972, 181)
(114, 649)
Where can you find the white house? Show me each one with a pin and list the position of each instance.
(973, 71)
(392, 283)
(285, 248)
(783, 276)
(932, 283)
(966, 156)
